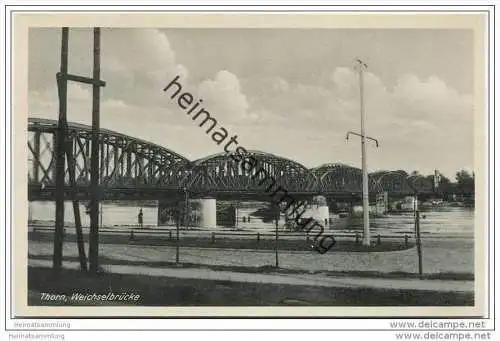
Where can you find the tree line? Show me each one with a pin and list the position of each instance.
(463, 184)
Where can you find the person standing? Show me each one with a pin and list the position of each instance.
(139, 217)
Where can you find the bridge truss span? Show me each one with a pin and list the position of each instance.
(134, 169)
(125, 162)
(256, 172)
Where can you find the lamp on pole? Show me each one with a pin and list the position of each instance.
(361, 66)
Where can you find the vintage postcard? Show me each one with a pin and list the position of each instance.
(249, 164)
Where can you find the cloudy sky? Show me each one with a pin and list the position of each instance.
(290, 92)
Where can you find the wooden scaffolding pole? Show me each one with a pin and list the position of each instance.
(94, 159)
(60, 149)
(64, 153)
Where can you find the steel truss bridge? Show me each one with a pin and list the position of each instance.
(134, 169)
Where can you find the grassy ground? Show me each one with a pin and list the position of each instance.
(166, 291)
(232, 242)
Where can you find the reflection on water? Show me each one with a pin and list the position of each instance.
(448, 221)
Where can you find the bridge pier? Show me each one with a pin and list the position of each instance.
(166, 212)
(30, 211)
(382, 203)
(316, 208)
(208, 213)
(320, 211)
(202, 212)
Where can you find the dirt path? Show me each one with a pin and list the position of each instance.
(277, 278)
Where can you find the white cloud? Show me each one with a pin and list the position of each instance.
(431, 99)
(114, 104)
(410, 100)
(223, 97)
(141, 51)
(46, 102)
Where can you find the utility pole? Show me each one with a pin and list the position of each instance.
(277, 220)
(361, 66)
(178, 212)
(186, 208)
(366, 204)
(418, 238)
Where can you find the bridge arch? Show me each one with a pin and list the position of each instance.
(222, 172)
(400, 183)
(125, 161)
(342, 178)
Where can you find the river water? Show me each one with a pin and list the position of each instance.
(452, 221)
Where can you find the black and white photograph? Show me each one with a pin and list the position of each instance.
(278, 167)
